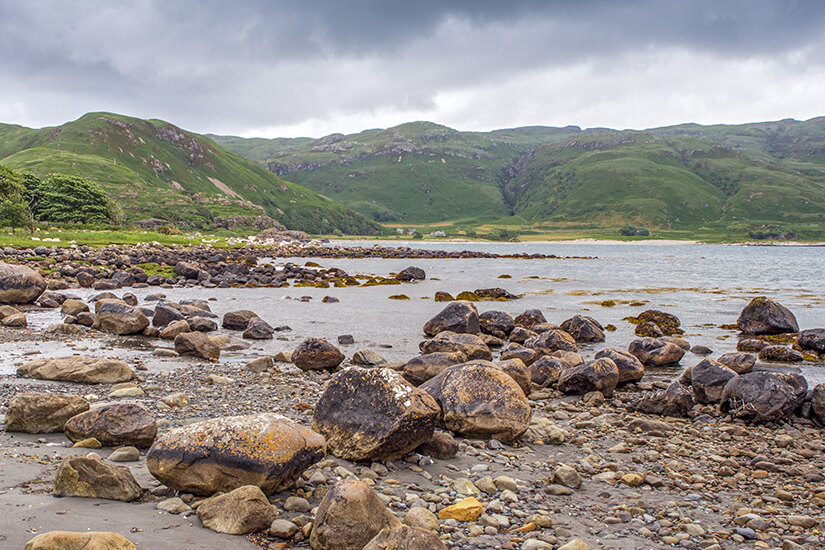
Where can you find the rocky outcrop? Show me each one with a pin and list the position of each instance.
(238, 512)
(350, 516)
(369, 415)
(222, 454)
(87, 476)
(114, 424)
(316, 354)
(19, 284)
(78, 368)
(42, 412)
(765, 316)
(479, 400)
(461, 317)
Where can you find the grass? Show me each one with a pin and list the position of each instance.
(103, 237)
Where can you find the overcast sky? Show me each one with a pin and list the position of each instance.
(310, 68)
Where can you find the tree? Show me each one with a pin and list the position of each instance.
(62, 198)
(13, 204)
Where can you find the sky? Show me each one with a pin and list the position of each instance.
(273, 68)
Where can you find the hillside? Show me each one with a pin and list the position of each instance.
(418, 172)
(158, 172)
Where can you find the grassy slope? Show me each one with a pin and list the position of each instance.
(154, 169)
(418, 172)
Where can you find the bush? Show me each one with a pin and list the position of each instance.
(62, 198)
(633, 231)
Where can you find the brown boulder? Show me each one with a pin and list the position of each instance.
(405, 538)
(238, 512)
(630, 368)
(78, 368)
(119, 318)
(66, 540)
(552, 340)
(584, 329)
(461, 317)
(197, 344)
(37, 413)
(420, 369)
(447, 341)
(600, 375)
(765, 316)
(19, 284)
(115, 424)
(88, 477)
(655, 352)
(316, 354)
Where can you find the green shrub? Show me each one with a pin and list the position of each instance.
(62, 198)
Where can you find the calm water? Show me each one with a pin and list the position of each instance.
(705, 285)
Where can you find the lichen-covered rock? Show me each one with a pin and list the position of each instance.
(552, 340)
(530, 318)
(349, 516)
(420, 369)
(812, 340)
(738, 362)
(197, 344)
(222, 454)
(114, 424)
(496, 323)
(373, 414)
(708, 379)
(676, 401)
(37, 413)
(780, 354)
(759, 397)
(479, 400)
(600, 375)
(67, 540)
(87, 476)
(78, 368)
(461, 317)
(19, 284)
(519, 372)
(668, 323)
(765, 316)
(470, 345)
(405, 538)
(316, 354)
(656, 352)
(119, 318)
(630, 368)
(584, 329)
(238, 512)
(546, 371)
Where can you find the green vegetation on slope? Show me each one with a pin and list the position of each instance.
(155, 170)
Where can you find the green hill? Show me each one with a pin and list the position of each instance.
(155, 170)
(733, 179)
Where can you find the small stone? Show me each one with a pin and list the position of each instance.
(88, 443)
(297, 504)
(567, 476)
(283, 529)
(125, 454)
(468, 509)
(173, 505)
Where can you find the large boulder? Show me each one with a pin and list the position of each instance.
(496, 323)
(239, 320)
(406, 538)
(765, 316)
(470, 345)
(114, 424)
(812, 340)
(19, 284)
(316, 354)
(519, 372)
(238, 512)
(165, 314)
(67, 540)
(189, 270)
(818, 403)
(656, 352)
(676, 400)
(222, 454)
(197, 344)
(420, 369)
(480, 400)
(759, 397)
(630, 368)
(373, 414)
(411, 273)
(456, 317)
(546, 370)
(552, 340)
(739, 362)
(119, 318)
(78, 368)
(600, 375)
(708, 379)
(73, 307)
(584, 329)
(259, 330)
(530, 318)
(349, 516)
(517, 351)
(87, 476)
(38, 413)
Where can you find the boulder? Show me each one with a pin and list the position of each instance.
(447, 341)
(316, 354)
(238, 512)
(165, 313)
(479, 400)
(114, 424)
(648, 330)
(19, 284)
(518, 371)
(171, 331)
(759, 397)
(188, 270)
(202, 324)
(668, 323)
(584, 329)
(78, 368)
(738, 362)
(373, 415)
(119, 318)
(222, 454)
(630, 368)
(411, 273)
(676, 401)
(367, 358)
(546, 370)
(350, 516)
(519, 335)
(442, 446)
(73, 307)
(92, 540)
(550, 341)
(420, 369)
(780, 354)
(812, 340)
(818, 403)
(530, 318)
(496, 323)
(87, 476)
(708, 379)
(751, 344)
(517, 351)
(655, 352)
(18, 320)
(197, 344)
(405, 538)
(38, 413)
(459, 317)
(600, 375)
(239, 320)
(765, 316)
(259, 330)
